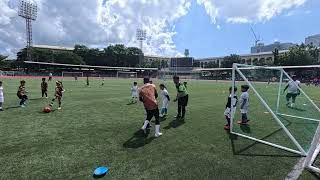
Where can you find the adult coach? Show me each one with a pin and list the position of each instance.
(182, 97)
(293, 90)
(148, 95)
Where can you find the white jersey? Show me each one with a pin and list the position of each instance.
(244, 98)
(134, 91)
(1, 95)
(293, 87)
(164, 94)
(165, 101)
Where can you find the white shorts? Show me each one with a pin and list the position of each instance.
(165, 103)
(1, 99)
(244, 111)
(227, 112)
(134, 94)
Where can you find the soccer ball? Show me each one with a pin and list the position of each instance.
(46, 109)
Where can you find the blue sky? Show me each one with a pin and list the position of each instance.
(171, 25)
(196, 32)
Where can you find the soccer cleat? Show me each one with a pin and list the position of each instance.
(59, 108)
(227, 127)
(23, 106)
(157, 133)
(161, 115)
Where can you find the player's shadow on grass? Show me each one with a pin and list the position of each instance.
(131, 103)
(297, 109)
(174, 124)
(12, 107)
(139, 139)
(242, 152)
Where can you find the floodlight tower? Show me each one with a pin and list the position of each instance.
(28, 11)
(141, 36)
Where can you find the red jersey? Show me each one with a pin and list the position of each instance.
(148, 94)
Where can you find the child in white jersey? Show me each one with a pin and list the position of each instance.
(1, 96)
(244, 105)
(134, 92)
(165, 100)
(293, 90)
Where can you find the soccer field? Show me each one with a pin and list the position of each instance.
(97, 127)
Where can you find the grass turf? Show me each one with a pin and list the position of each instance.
(96, 127)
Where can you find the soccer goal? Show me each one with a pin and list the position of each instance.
(7, 73)
(278, 116)
(72, 74)
(127, 74)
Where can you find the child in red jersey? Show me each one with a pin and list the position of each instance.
(58, 94)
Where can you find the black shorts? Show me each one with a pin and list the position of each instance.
(292, 95)
(183, 101)
(151, 113)
(22, 96)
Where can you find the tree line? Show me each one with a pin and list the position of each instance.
(113, 55)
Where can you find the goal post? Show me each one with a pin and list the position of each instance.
(72, 74)
(274, 121)
(127, 74)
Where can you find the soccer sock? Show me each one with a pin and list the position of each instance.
(163, 110)
(146, 122)
(183, 111)
(179, 110)
(228, 120)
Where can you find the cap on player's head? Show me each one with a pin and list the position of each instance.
(146, 80)
(245, 87)
(235, 89)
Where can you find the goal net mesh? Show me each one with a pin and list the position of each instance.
(278, 118)
(72, 74)
(122, 74)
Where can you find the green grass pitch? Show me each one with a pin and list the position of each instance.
(96, 127)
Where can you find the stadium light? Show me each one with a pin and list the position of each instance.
(141, 36)
(28, 11)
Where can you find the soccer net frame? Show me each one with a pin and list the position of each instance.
(7, 73)
(80, 74)
(127, 74)
(311, 153)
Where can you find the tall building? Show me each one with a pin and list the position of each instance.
(271, 47)
(314, 40)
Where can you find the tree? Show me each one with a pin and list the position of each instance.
(3, 57)
(229, 60)
(300, 55)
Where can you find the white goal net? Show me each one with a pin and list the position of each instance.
(7, 73)
(72, 74)
(279, 110)
(127, 74)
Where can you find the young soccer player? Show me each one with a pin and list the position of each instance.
(244, 105)
(1, 96)
(102, 84)
(44, 88)
(148, 94)
(182, 98)
(50, 77)
(293, 90)
(88, 80)
(58, 94)
(22, 93)
(165, 100)
(231, 102)
(134, 92)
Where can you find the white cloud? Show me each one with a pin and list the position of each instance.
(247, 11)
(97, 23)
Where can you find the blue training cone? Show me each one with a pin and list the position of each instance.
(101, 171)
